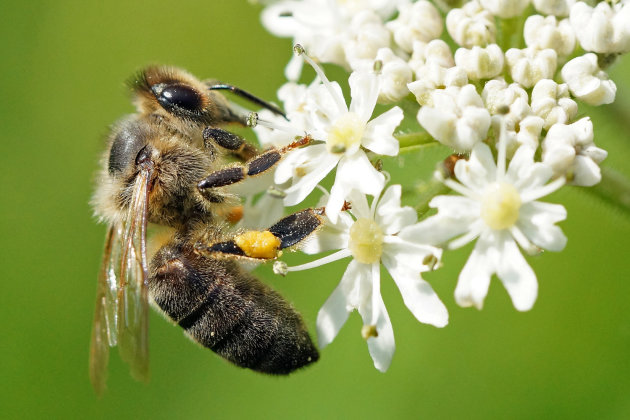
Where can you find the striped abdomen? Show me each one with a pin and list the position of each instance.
(229, 311)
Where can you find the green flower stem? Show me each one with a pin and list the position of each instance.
(613, 189)
(414, 139)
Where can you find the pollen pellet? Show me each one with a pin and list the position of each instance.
(500, 206)
(257, 244)
(366, 241)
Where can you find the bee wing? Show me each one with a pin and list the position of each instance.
(104, 325)
(132, 319)
(121, 317)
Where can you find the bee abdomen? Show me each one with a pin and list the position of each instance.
(234, 314)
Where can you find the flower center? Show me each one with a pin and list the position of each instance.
(500, 205)
(345, 134)
(366, 241)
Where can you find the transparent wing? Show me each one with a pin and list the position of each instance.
(104, 325)
(132, 320)
(121, 317)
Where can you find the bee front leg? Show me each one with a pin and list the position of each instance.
(289, 232)
(256, 166)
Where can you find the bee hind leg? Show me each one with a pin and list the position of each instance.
(289, 232)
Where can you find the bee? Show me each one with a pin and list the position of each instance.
(165, 167)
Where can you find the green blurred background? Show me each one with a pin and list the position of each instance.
(63, 64)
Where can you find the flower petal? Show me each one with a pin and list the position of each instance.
(354, 172)
(364, 87)
(474, 280)
(517, 276)
(390, 216)
(478, 171)
(418, 295)
(455, 217)
(378, 133)
(536, 221)
(334, 313)
(373, 312)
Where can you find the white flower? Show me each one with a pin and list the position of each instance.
(522, 126)
(318, 25)
(529, 65)
(570, 151)
(456, 117)
(604, 28)
(480, 63)
(471, 25)
(546, 32)
(499, 208)
(432, 77)
(373, 235)
(505, 8)
(395, 73)
(365, 35)
(587, 82)
(419, 21)
(551, 102)
(345, 131)
(436, 51)
(554, 7)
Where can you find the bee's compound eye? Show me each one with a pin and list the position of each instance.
(174, 97)
(128, 140)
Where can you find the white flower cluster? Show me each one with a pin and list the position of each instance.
(511, 114)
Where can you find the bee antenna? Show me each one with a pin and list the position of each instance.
(246, 95)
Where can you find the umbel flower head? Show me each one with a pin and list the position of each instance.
(371, 235)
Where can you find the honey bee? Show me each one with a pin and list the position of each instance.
(164, 167)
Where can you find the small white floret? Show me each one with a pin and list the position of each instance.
(551, 102)
(419, 21)
(471, 25)
(546, 32)
(587, 82)
(480, 63)
(529, 65)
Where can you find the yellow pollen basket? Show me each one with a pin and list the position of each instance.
(258, 244)
(500, 206)
(345, 134)
(366, 241)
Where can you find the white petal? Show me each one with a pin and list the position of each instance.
(455, 217)
(316, 171)
(407, 255)
(334, 313)
(354, 172)
(474, 280)
(536, 221)
(586, 172)
(479, 170)
(517, 277)
(378, 133)
(373, 312)
(390, 216)
(418, 296)
(364, 92)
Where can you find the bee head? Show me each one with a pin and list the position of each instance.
(170, 92)
(129, 146)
